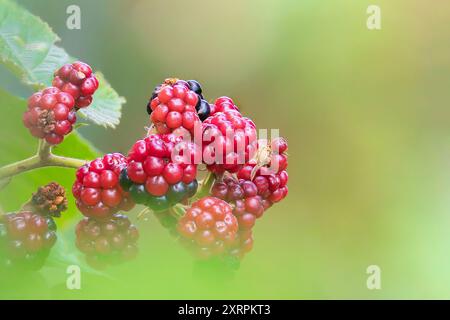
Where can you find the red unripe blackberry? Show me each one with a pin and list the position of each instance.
(223, 104)
(161, 171)
(50, 115)
(177, 104)
(78, 80)
(268, 171)
(227, 138)
(208, 227)
(242, 195)
(97, 190)
(108, 241)
(25, 239)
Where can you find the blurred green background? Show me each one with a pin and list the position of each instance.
(366, 114)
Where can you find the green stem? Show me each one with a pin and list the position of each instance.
(43, 158)
(19, 167)
(206, 185)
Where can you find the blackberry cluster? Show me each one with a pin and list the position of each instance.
(97, 190)
(78, 80)
(51, 112)
(50, 115)
(160, 171)
(208, 227)
(50, 200)
(25, 240)
(106, 242)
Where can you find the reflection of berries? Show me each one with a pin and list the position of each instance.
(107, 241)
(50, 115)
(247, 205)
(268, 172)
(25, 239)
(97, 190)
(50, 200)
(209, 227)
(174, 105)
(78, 80)
(155, 178)
(227, 137)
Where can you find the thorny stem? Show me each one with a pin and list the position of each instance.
(43, 158)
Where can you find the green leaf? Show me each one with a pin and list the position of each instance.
(25, 41)
(27, 48)
(16, 143)
(106, 107)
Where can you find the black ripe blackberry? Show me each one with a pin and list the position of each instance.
(203, 109)
(25, 240)
(196, 87)
(108, 241)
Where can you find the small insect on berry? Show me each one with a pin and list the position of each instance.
(268, 171)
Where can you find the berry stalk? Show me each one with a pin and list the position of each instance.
(205, 186)
(43, 158)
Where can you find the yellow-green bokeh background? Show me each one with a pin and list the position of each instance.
(366, 114)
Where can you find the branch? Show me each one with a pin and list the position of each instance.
(205, 186)
(43, 158)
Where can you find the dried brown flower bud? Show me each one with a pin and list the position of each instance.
(50, 199)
